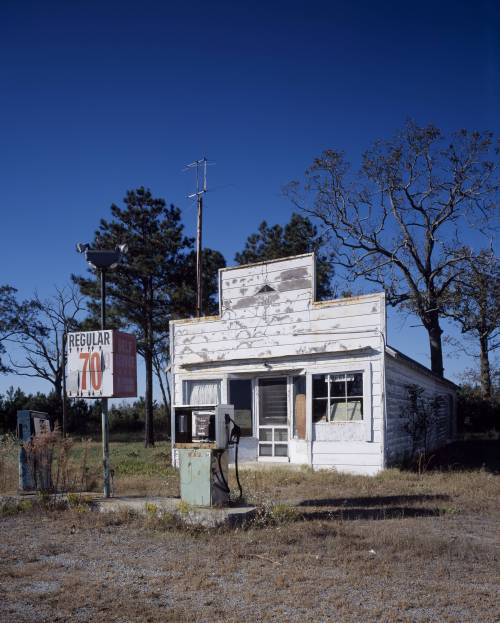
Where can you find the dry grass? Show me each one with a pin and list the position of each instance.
(77, 466)
(399, 547)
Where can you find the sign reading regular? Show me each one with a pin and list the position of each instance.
(101, 364)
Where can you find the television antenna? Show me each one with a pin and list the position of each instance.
(201, 188)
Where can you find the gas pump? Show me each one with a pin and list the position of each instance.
(34, 474)
(203, 435)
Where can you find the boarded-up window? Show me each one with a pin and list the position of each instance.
(299, 407)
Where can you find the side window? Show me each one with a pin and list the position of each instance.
(338, 397)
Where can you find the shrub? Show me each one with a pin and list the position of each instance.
(477, 414)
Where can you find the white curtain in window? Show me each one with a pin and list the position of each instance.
(202, 392)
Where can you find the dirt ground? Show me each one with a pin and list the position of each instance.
(397, 547)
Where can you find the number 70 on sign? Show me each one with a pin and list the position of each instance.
(92, 364)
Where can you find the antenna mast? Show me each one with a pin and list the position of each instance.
(201, 189)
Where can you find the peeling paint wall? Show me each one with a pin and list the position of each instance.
(282, 320)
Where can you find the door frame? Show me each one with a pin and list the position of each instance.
(288, 382)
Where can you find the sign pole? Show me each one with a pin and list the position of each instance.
(63, 370)
(104, 401)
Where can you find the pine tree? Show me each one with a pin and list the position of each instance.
(295, 238)
(156, 280)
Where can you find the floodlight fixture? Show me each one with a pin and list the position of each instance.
(103, 259)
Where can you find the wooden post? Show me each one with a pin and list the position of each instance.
(198, 256)
(64, 401)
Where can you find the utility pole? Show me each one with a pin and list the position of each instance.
(201, 189)
(199, 286)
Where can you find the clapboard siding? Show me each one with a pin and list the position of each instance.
(267, 348)
(399, 375)
(229, 341)
(287, 324)
(356, 470)
(283, 322)
(280, 324)
(256, 273)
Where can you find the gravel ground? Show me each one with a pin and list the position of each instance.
(80, 567)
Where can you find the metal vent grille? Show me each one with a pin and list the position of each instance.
(266, 288)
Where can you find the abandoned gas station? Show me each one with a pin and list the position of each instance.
(311, 382)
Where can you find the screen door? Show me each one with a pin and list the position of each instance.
(273, 417)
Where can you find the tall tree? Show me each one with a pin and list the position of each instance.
(153, 284)
(400, 221)
(474, 303)
(298, 236)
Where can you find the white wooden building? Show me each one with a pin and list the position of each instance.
(312, 382)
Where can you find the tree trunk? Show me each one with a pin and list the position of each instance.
(57, 417)
(435, 343)
(485, 367)
(166, 401)
(149, 439)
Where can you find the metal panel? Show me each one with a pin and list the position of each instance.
(202, 475)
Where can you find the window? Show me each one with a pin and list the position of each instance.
(240, 395)
(338, 397)
(201, 392)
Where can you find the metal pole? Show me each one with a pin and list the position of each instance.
(63, 370)
(103, 299)
(198, 255)
(104, 401)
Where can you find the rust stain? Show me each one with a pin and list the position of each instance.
(294, 273)
(294, 284)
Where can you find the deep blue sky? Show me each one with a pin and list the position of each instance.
(100, 96)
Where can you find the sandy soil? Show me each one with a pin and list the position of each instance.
(429, 554)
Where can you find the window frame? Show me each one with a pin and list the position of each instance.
(331, 400)
(366, 423)
(252, 399)
(184, 386)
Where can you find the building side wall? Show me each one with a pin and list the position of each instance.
(399, 443)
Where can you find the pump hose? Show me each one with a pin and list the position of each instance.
(234, 440)
(224, 485)
(236, 447)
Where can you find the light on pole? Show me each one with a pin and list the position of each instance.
(103, 260)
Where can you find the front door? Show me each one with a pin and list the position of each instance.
(273, 417)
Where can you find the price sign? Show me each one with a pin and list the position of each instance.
(101, 364)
